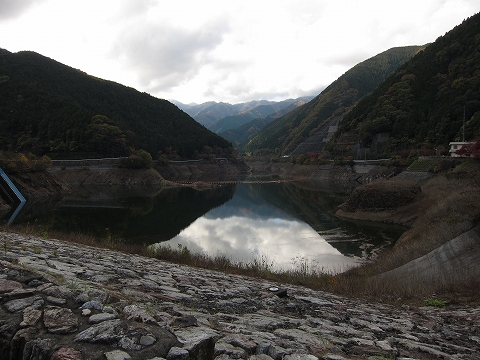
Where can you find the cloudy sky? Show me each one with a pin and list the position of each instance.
(232, 51)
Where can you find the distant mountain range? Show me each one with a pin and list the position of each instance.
(219, 117)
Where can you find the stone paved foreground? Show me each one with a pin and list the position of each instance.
(63, 301)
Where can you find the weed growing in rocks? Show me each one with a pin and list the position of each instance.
(435, 302)
(73, 284)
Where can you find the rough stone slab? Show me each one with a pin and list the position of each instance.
(67, 354)
(7, 286)
(66, 268)
(300, 357)
(20, 304)
(316, 301)
(59, 320)
(117, 355)
(56, 301)
(176, 353)
(108, 332)
(222, 348)
(98, 318)
(195, 335)
(31, 317)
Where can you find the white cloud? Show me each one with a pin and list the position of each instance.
(278, 241)
(165, 56)
(234, 51)
(12, 8)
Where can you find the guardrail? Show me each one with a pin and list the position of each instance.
(12, 192)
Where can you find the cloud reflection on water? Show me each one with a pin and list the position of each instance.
(277, 240)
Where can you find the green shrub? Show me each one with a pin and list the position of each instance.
(140, 159)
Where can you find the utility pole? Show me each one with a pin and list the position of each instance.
(463, 132)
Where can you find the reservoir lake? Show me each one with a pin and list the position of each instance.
(285, 224)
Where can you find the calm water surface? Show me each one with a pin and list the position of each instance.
(284, 224)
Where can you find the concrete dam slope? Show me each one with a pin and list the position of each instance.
(454, 262)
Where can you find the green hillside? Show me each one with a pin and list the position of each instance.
(242, 134)
(287, 132)
(422, 106)
(235, 121)
(50, 108)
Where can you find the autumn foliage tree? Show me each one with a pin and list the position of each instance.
(471, 149)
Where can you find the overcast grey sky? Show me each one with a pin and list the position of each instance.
(232, 51)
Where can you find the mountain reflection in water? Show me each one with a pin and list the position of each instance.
(280, 223)
(284, 225)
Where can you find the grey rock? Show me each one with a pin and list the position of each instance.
(126, 272)
(103, 279)
(120, 334)
(300, 357)
(38, 349)
(117, 355)
(108, 332)
(223, 348)
(19, 293)
(35, 283)
(128, 343)
(9, 285)
(260, 357)
(185, 321)
(7, 331)
(31, 317)
(199, 341)
(242, 341)
(223, 357)
(301, 337)
(147, 340)
(20, 304)
(94, 304)
(334, 357)
(67, 354)
(176, 353)
(19, 340)
(316, 301)
(138, 313)
(276, 352)
(82, 298)
(59, 320)
(56, 301)
(109, 309)
(58, 292)
(13, 273)
(98, 318)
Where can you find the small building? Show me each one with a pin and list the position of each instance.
(457, 145)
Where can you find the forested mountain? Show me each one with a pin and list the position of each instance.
(49, 108)
(241, 135)
(423, 104)
(327, 109)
